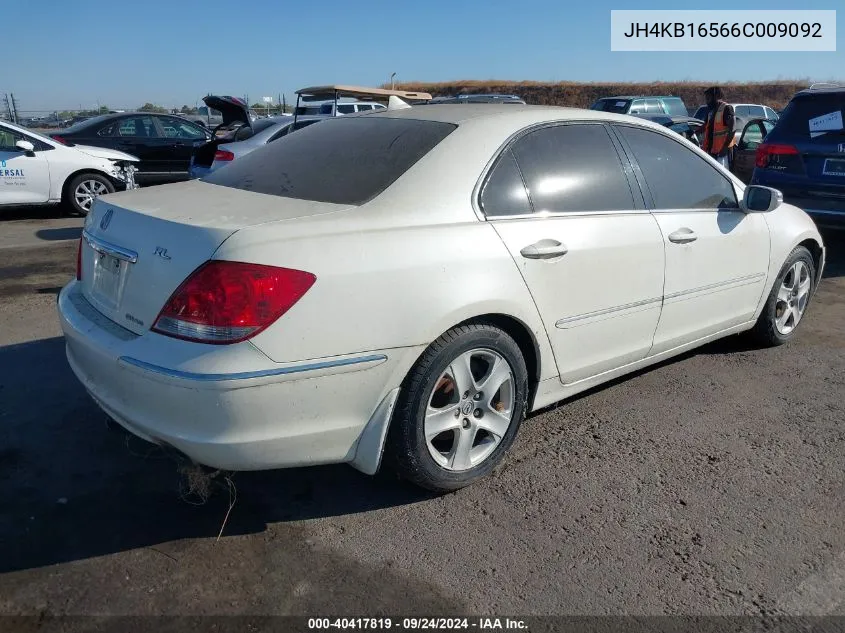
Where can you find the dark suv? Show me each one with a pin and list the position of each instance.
(808, 166)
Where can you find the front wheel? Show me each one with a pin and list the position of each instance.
(460, 408)
(788, 300)
(83, 189)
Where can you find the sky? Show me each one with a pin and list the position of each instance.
(172, 52)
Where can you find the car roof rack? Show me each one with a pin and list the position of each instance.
(824, 84)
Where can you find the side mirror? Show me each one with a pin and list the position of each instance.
(757, 199)
(26, 146)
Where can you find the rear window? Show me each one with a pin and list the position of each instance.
(348, 160)
(796, 117)
(620, 106)
(675, 107)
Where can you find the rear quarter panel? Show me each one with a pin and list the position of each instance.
(383, 288)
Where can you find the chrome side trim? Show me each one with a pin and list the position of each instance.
(246, 375)
(569, 321)
(824, 212)
(102, 246)
(576, 320)
(722, 285)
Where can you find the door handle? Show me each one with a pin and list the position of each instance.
(683, 236)
(544, 249)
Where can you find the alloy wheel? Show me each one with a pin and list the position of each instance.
(469, 410)
(86, 191)
(793, 296)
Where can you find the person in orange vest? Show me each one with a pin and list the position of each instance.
(719, 138)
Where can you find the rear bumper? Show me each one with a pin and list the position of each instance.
(197, 171)
(270, 416)
(824, 203)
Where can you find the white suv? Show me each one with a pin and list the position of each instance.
(350, 108)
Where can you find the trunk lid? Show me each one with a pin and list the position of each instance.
(140, 245)
(233, 109)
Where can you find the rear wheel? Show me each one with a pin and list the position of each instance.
(788, 301)
(460, 408)
(83, 189)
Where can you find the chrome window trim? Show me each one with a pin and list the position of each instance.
(102, 246)
(246, 375)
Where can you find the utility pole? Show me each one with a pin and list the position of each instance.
(14, 108)
(8, 106)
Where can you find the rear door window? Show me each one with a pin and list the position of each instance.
(346, 108)
(347, 160)
(570, 168)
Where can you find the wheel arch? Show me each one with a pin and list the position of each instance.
(85, 170)
(370, 448)
(817, 251)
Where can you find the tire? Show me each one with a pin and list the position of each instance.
(81, 191)
(772, 328)
(486, 424)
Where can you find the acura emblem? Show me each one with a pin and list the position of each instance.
(104, 223)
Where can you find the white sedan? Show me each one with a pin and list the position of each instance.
(403, 287)
(35, 169)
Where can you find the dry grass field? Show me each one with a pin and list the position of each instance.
(775, 93)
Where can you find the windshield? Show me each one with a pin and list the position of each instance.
(347, 160)
(620, 106)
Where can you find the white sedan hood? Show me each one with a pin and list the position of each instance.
(108, 154)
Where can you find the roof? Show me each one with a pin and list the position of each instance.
(822, 89)
(322, 93)
(506, 115)
(639, 97)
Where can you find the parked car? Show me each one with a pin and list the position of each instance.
(480, 98)
(751, 137)
(317, 301)
(220, 152)
(163, 143)
(341, 108)
(744, 113)
(687, 126)
(804, 155)
(642, 105)
(35, 169)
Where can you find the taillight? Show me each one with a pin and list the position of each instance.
(227, 302)
(767, 151)
(222, 154)
(79, 260)
(58, 139)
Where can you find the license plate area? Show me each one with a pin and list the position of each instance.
(107, 283)
(834, 167)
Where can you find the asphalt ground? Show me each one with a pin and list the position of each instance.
(713, 484)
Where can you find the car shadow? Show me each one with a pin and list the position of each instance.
(59, 235)
(834, 241)
(35, 212)
(75, 487)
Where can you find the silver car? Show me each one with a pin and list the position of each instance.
(220, 152)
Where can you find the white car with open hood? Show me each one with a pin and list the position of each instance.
(35, 169)
(402, 287)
